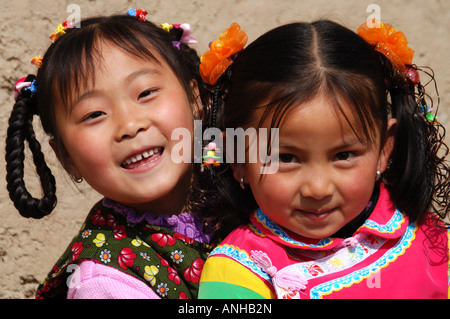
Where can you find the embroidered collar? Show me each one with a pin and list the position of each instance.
(385, 221)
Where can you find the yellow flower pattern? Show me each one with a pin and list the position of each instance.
(99, 240)
(150, 273)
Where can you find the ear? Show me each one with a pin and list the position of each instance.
(197, 109)
(64, 158)
(388, 146)
(238, 171)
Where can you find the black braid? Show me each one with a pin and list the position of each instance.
(20, 130)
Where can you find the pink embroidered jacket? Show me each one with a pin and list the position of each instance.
(387, 257)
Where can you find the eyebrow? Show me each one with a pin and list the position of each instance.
(135, 75)
(345, 144)
(128, 79)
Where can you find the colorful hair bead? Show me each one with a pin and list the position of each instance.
(139, 14)
(210, 159)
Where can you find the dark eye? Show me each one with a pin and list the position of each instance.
(93, 115)
(343, 156)
(146, 93)
(287, 158)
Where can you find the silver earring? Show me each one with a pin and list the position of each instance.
(77, 180)
(242, 183)
(378, 178)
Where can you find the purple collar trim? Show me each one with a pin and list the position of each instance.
(187, 224)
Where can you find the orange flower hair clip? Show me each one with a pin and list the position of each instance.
(390, 42)
(37, 61)
(216, 61)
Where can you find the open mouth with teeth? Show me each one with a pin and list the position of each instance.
(143, 158)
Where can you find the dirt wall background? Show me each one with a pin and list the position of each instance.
(28, 248)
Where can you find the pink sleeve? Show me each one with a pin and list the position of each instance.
(97, 281)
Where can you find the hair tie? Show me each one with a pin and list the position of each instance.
(183, 33)
(25, 87)
(388, 41)
(215, 62)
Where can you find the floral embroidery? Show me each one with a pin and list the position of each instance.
(163, 239)
(177, 256)
(126, 258)
(137, 242)
(182, 296)
(99, 240)
(145, 256)
(193, 273)
(314, 269)
(76, 249)
(357, 276)
(105, 256)
(173, 275)
(162, 289)
(98, 219)
(186, 239)
(177, 260)
(336, 262)
(290, 294)
(86, 233)
(150, 273)
(119, 230)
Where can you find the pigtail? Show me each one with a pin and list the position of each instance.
(20, 130)
(418, 174)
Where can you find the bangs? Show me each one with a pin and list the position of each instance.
(343, 91)
(82, 56)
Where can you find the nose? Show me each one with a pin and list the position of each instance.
(316, 183)
(130, 122)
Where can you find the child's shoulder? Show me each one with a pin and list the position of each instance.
(246, 238)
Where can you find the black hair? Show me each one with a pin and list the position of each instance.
(293, 63)
(68, 65)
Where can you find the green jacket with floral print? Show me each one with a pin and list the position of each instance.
(168, 262)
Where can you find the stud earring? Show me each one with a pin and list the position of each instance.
(378, 177)
(76, 179)
(242, 183)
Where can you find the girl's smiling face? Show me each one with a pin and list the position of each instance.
(117, 132)
(326, 174)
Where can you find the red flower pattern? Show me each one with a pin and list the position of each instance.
(193, 273)
(76, 249)
(98, 219)
(119, 232)
(314, 269)
(111, 221)
(163, 261)
(184, 238)
(182, 296)
(162, 239)
(126, 258)
(173, 275)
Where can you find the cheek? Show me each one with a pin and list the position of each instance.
(357, 188)
(273, 191)
(88, 153)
